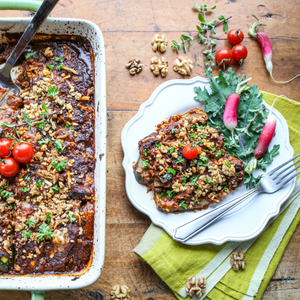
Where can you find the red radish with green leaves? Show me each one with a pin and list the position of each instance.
(231, 106)
(266, 46)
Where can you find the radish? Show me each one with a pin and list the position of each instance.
(266, 46)
(231, 106)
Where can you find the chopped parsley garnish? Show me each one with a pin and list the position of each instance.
(26, 234)
(39, 183)
(58, 59)
(183, 204)
(7, 125)
(193, 180)
(27, 120)
(165, 176)
(59, 166)
(180, 146)
(59, 146)
(171, 171)
(145, 152)
(184, 180)
(207, 180)
(59, 66)
(213, 148)
(170, 193)
(219, 153)
(24, 189)
(171, 149)
(192, 135)
(40, 124)
(161, 194)
(29, 54)
(6, 194)
(198, 142)
(48, 218)
(55, 188)
(180, 160)
(27, 178)
(67, 126)
(200, 163)
(204, 158)
(44, 232)
(42, 141)
(145, 163)
(51, 67)
(228, 164)
(173, 130)
(45, 110)
(52, 91)
(71, 218)
(225, 188)
(157, 144)
(31, 222)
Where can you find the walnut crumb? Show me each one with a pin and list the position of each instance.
(159, 66)
(183, 65)
(135, 66)
(238, 261)
(195, 286)
(120, 292)
(159, 43)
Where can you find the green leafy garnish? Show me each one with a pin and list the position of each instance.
(180, 160)
(67, 126)
(27, 178)
(251, 115)
(48, 218)
(6, 194)
(207, 180)
(59, 166)
(44, 232)
(183, 204)
(59, 66)
(8, 125)
(170, 193)
(29, 54)
(145, 163)
(192, 135)
(145, 152)
(71, 218)
(219, 154)
(42, 141)
(228, 164)
(59, 146)
(58, 59)
(27, 120)
(171, 171)
(161, 194)
(194, 178)
(55, 188)
(24, 189)
(52, 91)
(171, 149)
(40, 124)
(31, 222)
(173, 130)
(39, 183)
(51, 67)
(157, 144)
(204, 158)
(225, 188)
(26, 234)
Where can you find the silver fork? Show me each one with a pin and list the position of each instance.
(270, 182)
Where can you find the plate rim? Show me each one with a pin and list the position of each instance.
(127, 166)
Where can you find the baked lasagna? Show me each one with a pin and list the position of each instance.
(47, 209)
(180, 183)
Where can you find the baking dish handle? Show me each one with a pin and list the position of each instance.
(30, 5)
(37, 295)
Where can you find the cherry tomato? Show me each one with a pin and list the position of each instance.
(235, 36)
(223, 57)
(22, 152)
(239, 53)
(190, 152)
(9, 167)
(5, 145)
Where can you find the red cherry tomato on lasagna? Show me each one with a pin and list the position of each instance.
(9, 167)
(22, 152)
(5, 145)
(223, 57)
(239, 53)
(235, 36)
(190, 152)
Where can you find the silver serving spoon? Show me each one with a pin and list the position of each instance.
(38, 19)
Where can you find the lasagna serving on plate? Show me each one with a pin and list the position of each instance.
(47, 209)
(182, 181)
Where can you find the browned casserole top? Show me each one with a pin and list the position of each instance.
(47, 209)
(182, 184)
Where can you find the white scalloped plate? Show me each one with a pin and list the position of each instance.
(244, 222)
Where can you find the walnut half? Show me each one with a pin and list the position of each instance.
(195, 286)
(135, 66)
(120, 292)
(159, 66)
(183, 65)
(238, 261)
(159, 43)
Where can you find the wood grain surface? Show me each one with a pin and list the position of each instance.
(128, 27)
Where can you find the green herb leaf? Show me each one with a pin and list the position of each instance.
(145, 163)
(226, 27)
(201, 18)
(44, 232)
(171, 171)
(171, 149)
(29, 54)
(228, 164)
(219, 154)
(40, 124)
(59, 166)
(55, 188)
(26, 234)
(145, 152)
(207, 180)
(51, 67)
(71, 218)
(58, 59)
(42, 141)
(24, 189)
(31, 222)
(170, 193)
(27, 178)
(48, 218)
(8, 125)
(192, 135)
(52, 91)
(27, 120)
(180, 160)
(183, 204)
(6, 194)
(59, 66)
(161, 194)
(39, 183)
(221, 17)
(67, 126)
(59, 146)
(157, 144)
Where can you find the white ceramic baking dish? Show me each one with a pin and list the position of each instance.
(40, 283)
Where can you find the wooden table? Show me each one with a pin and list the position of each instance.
(128, 28)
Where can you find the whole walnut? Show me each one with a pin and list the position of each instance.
(159, 43)
(159, 66)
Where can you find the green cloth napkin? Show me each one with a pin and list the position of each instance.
(175, 262)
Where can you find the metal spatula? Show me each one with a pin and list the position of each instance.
(38, 19)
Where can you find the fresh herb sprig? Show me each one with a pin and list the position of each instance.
(251, 114)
